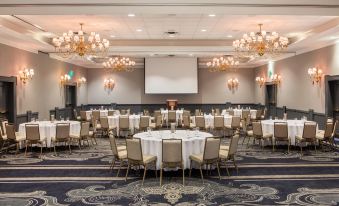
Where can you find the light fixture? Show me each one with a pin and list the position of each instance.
(139, 30)
(26, 75)
(76, 44)
(131, 15)
(233, 83)
(120, 64)
(276, 78)
(261, 42)
(64, 79)
(211, 15)
(315, 74)
(112, 36)
(203, 30)
(222, 64)
(261, 81)
(109, 84)
(81, 81)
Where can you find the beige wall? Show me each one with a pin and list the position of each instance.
(43, 92)
(130, 88)
(296, 90)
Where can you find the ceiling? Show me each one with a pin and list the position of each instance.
(308, 24)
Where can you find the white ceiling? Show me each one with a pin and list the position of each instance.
(199, 34)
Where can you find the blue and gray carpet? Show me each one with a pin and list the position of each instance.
(84, 178)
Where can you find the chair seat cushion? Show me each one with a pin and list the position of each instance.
(122, 147)
(192, 125)
(197, 158)
(224, 147)
(249, 133)
(75, 136)
(267, 136)
(122, 154)
(223, 154)
(228, 126)
(149, 158)
(98, 126)
(20, 138)
(90, 133)
(152, 125)
(298, 137)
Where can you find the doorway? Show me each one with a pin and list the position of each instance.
(271, 99)
(8, 99)
(70, 96)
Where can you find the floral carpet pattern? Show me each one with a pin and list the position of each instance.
(84, 178)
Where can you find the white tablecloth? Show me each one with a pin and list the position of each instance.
(295, 127)
(192, 143)
(179, 113)
(134, 121)
(48, 129)
(209, 120)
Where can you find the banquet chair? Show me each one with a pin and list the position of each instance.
(158, 122)
(12, 137)
(217, 112)
(230, 112)
(96, 129)
(105, 128)
(197, 112)
(327, 134)
(136, 157)
(124, 125)
(281, 135)
(96, 115)
(308, 136)
(84, 134)
(172, 156)
(83, 116)
(235, 125)
(258, 114)
(210, 156)
(33, 137)
(245, 113)
(186, 113)
(144, 123)
(172, 117)
(219, 124)
(63, 135)
(123, 112)
(226, 155)
(200, 122)
(119, 153)
(258, 134)
(111, 112)
(186, 121)
(76, 116)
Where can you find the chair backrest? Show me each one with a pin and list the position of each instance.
(280, 130)
(83, 115)
(104, 122)
(124, 122)
(123, 112)
(212, 147)
(94, 124)
(186, 113)
(218, 122)
(171, 150)
(197, 112)
(146, 112)
(84, 131)
(172, 115)
(235, 122)
(217, 112)
(96, 114)
(157, 113)
(230, 112)
(186, 121)
(144, 122)
(245, 113)
(32, 132)
(329, 129)
(134, 150)
(257, 129)
(111, 112)
(158, 121)
(113, 145)
(258, 114)
(310, 130)
(62, 130)
(200, 121)
(10, 129)
(233, 145)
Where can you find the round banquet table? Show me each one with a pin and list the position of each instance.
(134, 120)
(192, 143)
(209, 120)
(48, 129)
(178, 115)
(295, 127)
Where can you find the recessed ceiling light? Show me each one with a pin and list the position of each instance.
(131, 15)
(113, 36)
(139, 30)
(229, 36)
(211, 15)
(191, 55)
(203, 30)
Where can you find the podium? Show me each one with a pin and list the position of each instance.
(172, 104)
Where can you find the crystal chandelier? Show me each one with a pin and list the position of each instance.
(120, 64)
(261, 42)
(221, 64)
(261, 81)
(233, 83)
(315, 74)
(76, 44)
(26, 75)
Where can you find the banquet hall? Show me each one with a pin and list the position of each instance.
(175, 102)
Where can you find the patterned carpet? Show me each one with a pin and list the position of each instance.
(84, 178)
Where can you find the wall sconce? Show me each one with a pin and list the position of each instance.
(261, 81)
(109, 84)
(65, 79)
(276, 79)
(81, 81)
(233, 83)
(315, 74)
(26, 75)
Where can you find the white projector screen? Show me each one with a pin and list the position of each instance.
(171, 75)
